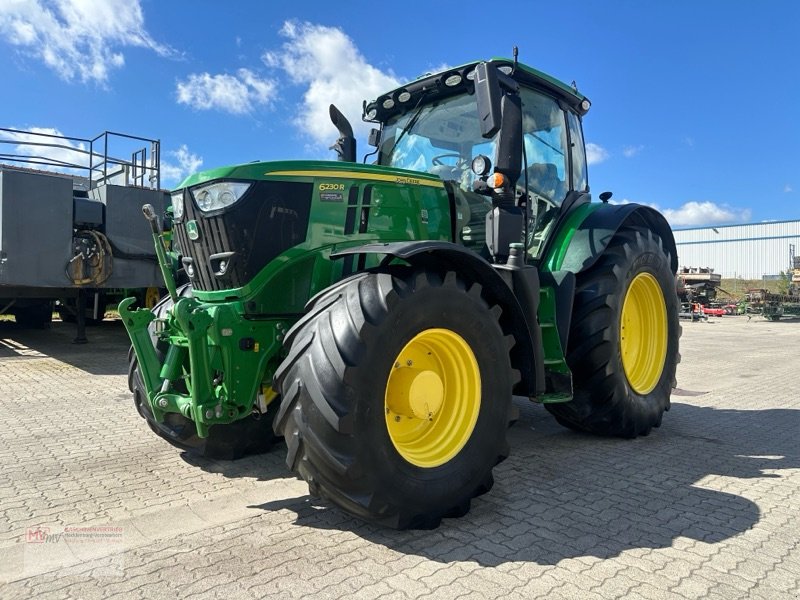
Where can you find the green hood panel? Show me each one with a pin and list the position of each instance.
(314, 169)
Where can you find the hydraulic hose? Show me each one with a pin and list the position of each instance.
(93, 263)
(161, 251)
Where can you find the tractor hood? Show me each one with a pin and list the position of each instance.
(231, 222)
(290, 169)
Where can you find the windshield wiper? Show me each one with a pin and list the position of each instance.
(546, 143)
(411, 122)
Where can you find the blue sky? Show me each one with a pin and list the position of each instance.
(693, 102)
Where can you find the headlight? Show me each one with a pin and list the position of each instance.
(216, 196)
(177, 205)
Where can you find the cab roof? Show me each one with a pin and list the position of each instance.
(456, 80)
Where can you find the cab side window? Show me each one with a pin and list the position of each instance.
(545, 137)
(579, 179)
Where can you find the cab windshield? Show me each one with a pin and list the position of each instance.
(440, 138)
(443, 137)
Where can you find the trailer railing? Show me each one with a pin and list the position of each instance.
(99, 159)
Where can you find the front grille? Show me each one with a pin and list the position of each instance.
(270, 218)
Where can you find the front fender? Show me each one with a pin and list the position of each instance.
(447, 256)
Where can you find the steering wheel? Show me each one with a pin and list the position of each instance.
(437, 160)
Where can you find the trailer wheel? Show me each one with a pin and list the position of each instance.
(34, 316)
(623, 342)
(397, 396)
(151, 297)
(250, 435)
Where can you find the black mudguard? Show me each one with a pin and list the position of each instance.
(595, 233)
(440, 255)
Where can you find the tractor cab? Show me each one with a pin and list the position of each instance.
(437, 125)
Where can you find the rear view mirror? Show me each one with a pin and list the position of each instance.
(488, 95)
(374, 137)
(500, 109)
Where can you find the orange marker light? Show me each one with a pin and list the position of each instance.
(497, 180)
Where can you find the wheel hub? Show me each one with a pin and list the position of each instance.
(420, 393)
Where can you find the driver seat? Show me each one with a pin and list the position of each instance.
(543, 179)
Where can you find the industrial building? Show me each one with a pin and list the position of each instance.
(749, 251)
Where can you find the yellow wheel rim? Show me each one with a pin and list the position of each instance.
(643, 333)
(151, 297)
(433, 397)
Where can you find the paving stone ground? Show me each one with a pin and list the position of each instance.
(94, 505)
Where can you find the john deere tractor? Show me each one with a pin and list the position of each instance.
(381, 316)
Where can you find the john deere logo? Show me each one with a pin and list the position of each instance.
(191, 230)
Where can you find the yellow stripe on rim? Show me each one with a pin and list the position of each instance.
(643, 333)
(401, 179)
(433, 397)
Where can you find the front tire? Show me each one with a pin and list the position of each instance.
(623, 341)
(250, 435)
(397, 396)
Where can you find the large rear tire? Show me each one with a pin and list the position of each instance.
(251, 435)
(397, 396)
(623, 341)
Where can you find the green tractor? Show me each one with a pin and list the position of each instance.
(380, 317)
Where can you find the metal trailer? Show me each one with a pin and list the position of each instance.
(74, 240)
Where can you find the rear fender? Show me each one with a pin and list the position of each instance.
(447, 256)
(587, 242)
(588, 231)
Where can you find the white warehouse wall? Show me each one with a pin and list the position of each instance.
(748, 251)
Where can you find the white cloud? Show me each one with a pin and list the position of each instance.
(236, 94)
(631, 151)
(688, 141)
(626, 201)
(788, 189)
(78, 39)
(705, 213)
(185, 164)
(595, 154)
(437, 68)
(697, 213)
(64, 155)
(328, 63)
